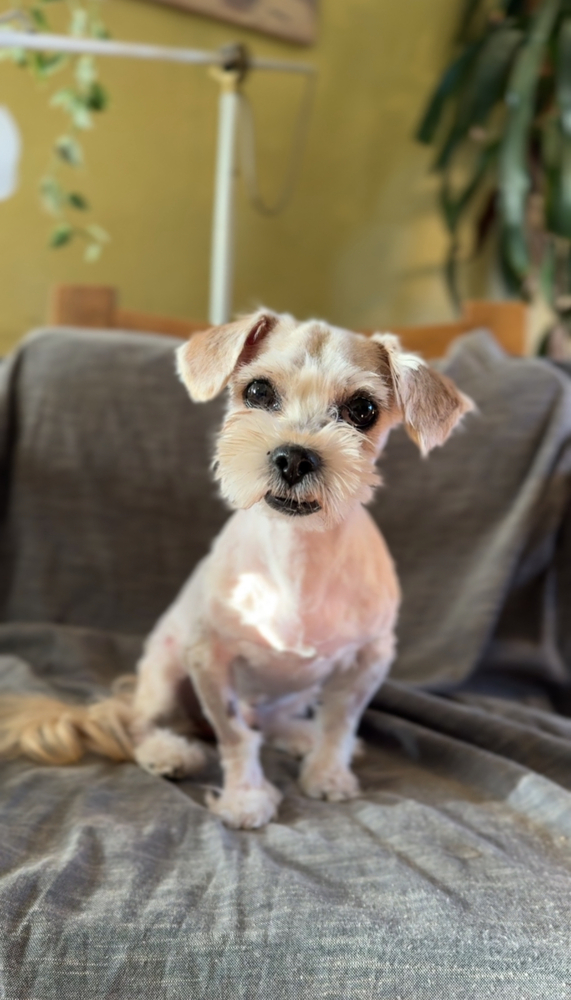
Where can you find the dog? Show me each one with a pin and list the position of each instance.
(287, 628)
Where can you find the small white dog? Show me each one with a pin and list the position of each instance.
(294, 609)
(296, 604)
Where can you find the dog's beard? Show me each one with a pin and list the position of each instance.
(242, 465)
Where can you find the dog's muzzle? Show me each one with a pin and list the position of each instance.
(292, 463)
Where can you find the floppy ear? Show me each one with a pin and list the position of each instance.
(430, 403)
(206, 362)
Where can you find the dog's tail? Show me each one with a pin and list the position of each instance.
(57, 732)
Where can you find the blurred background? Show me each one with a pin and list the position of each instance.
(361, 242)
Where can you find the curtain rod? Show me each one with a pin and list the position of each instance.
(135, 50)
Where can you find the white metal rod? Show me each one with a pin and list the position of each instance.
(222, 260)
(103, 47)
(134, 50)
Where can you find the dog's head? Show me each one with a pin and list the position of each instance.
(310, 409)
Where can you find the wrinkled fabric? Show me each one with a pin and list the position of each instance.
(450, 876)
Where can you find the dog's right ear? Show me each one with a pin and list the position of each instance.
(429, 403)
(207, 361)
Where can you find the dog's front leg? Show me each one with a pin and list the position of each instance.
(326, 773)
(247, 799)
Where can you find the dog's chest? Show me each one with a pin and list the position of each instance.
(302, 598)
(281, 641)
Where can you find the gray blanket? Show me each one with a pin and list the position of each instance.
(450, 877)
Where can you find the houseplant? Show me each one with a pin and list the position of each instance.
(500, 119)
(81, 97)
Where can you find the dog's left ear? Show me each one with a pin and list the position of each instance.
(430, 403)
(207, 361)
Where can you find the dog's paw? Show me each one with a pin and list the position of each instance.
(246, 808)
(168, 755)
(336, 783)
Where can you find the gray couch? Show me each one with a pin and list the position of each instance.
(451, 876)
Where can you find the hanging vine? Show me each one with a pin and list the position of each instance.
(80, 100)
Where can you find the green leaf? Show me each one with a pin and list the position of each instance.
(98, 30)
(485, 220)
(93, 252)
(97, 233)
(514, 259)
(545, 94)
(547, 272)
(79, 22)
(44, 64)
(514, 180)
(491, 74)
(484, 88)
(61, 235)
(75, 105)
(69, 150)
(77, 200)
(551, 143)
(467, 16)
(39, 18)
(54, 62)
(63, 99)
(454, 207)
(451, 275)
(96, 98)
(558, 202)
(85, 72)
(81, 117)
(52, 195)
(17, 56)
(514, 8)
(448, 86)
(563, 75)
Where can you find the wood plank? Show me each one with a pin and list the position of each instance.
(507, 321)
(83, 305)
(96, 306)
(172, 326)
(431, 341)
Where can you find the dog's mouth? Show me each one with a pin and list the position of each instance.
(295, 508)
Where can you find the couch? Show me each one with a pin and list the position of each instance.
(450, 877)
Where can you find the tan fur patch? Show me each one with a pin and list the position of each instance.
(316, 342)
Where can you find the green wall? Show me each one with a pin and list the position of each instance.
(360, 244)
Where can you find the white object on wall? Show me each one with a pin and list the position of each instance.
(10, 148)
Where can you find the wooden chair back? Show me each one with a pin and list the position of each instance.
(98, 306)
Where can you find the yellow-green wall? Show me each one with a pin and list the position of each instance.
(361, 242)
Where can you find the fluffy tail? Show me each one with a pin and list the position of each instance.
(56, 732)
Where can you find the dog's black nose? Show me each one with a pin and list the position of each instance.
(294, 463)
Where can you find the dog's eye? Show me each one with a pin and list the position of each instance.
(359, 411)
(261, 394)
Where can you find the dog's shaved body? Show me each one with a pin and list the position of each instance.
(294, 609)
